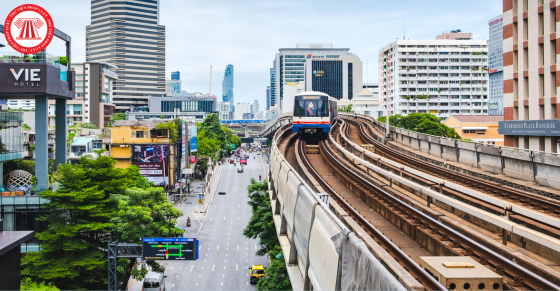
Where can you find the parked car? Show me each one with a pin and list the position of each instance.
(240, 170)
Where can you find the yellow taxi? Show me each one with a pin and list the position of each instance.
(257, 272)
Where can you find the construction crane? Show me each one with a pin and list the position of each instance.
(210, 86)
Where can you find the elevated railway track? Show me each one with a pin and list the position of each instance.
(421, 225)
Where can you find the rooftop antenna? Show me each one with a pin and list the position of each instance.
(403, 30)
(210, 86)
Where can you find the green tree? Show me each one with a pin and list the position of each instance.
(207, 146)
(142, 213)
(172, 128)
(25, 126)
(213, 129)
(347, 108)
(261, 224)
(88, 125)
(115, 117)
(276, 275)
(79, 217)
(421, 122)
(235, 140)
(63, 60)
(28, 285)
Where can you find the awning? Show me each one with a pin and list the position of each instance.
(475, 127)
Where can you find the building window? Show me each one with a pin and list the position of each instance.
(139, 134)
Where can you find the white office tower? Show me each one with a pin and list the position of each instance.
(241, 109)
(127, 34)
(255, 107)
(224, 110)
(443, 77)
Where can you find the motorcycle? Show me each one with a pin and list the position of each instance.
(188, 221)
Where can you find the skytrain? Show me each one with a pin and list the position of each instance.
(314, 112)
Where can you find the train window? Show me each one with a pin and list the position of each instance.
(299, 109)
(323, 108)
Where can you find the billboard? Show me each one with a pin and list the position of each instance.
(193, 134)
(183, 145)
(153, 161)
(166, 248)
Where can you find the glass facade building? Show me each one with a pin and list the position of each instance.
(273, 86)
(227, 85)
(495, 66)
(187, 106)
(327, 78)
(11, 136)
(127, 34)
(175, 75)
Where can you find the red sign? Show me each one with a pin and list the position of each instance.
(491, 71)
(193, 160)
(29, 29)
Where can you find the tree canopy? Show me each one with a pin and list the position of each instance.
(96, 202)
(421, 122)
(215, 139)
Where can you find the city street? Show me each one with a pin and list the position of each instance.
(225, 253)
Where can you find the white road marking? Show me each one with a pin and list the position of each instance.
(236, 267)
(177, 276)
(192, 268)
(237, 247)
(227, 249)
(210, 218)
(213, 267)
(201, 268)
(172, 285)
(255, 247)
(224, 218)
(201, 275)
(205, 261)
(247, 283)
(218, 248)
(223, 275)
(196, 284)
(222, 283)
(225, 261)
(224, 267)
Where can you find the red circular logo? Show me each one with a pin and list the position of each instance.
(29, 29)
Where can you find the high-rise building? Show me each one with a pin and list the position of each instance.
(530, 76)
(172, 86)
(273, 85)
(227, 85)
(267, 97)
(175, 75)
(241, 109)
(334, 71)
(441, 77)
(256, 107)
(495, 66)
(94, 95)
(127, 34)
(224, 109)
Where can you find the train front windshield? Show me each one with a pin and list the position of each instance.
(311, 106)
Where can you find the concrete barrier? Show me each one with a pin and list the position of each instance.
(528, 165)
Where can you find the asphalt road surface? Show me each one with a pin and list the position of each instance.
(224, 252)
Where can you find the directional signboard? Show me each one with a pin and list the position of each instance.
(170, 248)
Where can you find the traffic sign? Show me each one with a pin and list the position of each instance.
(232, 146)
(168, 248)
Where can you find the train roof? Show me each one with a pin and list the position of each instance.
(316, 94)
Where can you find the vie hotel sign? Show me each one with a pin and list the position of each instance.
(550, 127)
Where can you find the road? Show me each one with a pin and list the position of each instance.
(225, 253)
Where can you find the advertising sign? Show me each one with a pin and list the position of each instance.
(167, 248)
(549, 127)
(152, 159)
(183, 145)
(193, 160)
(29, 29)
(193, 141)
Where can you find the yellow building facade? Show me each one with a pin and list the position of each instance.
(479, 128)
(134, 142)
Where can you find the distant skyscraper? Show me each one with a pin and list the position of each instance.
(273, 85)
(172, 86)
(175, 75)
(496, 66)
(127, 34)
(268, 98)
(227, 85)
(255, 108)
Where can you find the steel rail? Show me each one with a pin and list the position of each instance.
(406, 262)
(504, 191)
(471, 248)
(426, 167)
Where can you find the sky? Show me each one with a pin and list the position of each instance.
(248, 33)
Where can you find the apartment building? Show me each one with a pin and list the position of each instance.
(443, 77)
(496, 66)
(94, 95)
(530, 75)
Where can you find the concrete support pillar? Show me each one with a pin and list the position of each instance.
(1, 174)
(61, 132)
(42, 141)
